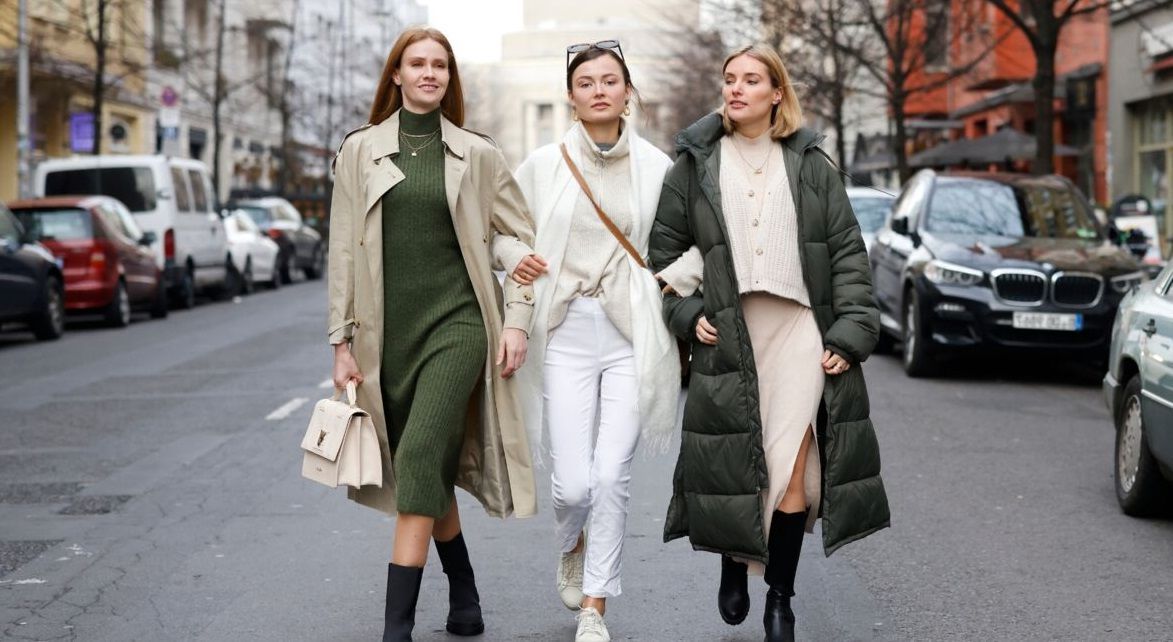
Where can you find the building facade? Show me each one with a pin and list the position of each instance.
(1141, 112)
(522, 101)
(995, 90)
(62, 63)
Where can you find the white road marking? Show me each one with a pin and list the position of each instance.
(329, 383)
(286, 409)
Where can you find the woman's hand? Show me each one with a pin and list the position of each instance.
(345, 367)
(834, 364)
(530, 268)
(514, 344)
(705, 332)
(664, 287)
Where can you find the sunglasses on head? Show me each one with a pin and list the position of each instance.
(612, 45)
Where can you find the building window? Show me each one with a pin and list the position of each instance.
(544, 127)
(937, 38)
(1153, 138)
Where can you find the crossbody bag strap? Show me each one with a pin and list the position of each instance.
(619, 236)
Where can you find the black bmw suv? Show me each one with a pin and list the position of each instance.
(983, 260)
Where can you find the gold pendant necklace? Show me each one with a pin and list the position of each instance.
(416, 150)
(759, 168)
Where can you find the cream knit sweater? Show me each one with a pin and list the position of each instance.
(595, 264)
(761, 219)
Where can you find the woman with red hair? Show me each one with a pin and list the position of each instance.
(420, 322)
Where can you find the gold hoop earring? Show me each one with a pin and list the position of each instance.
(626, 111)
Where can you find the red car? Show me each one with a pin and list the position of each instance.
(106, 259)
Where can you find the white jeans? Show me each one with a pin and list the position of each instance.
(590, 373)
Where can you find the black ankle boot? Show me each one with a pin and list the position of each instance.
(779, 618)
(733, 596)
(785, 545)
(464, 603)
(403, 591)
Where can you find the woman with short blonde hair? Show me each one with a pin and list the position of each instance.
(783, 319)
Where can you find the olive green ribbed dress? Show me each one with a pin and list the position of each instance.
(434, 343)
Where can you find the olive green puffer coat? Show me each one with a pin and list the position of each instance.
(721, 470)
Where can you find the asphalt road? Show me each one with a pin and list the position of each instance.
(150, 490)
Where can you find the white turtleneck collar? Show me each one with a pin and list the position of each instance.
(619, 150)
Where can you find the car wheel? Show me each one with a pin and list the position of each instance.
(1140, 487)
(314, 271)
(247, 285)
(287, 269)
(275, 281)
(159, 305)
(885, 343)
(917, 358)
(117, 313)
(49, 324)
(185, 291)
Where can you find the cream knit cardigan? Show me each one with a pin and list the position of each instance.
(552, 195)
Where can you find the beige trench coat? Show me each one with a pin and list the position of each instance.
(484, 200)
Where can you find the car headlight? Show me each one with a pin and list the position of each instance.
(1126, 282)
(950, 274)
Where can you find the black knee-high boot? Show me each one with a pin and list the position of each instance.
(733, 596)
(464, 603)
(786, 531)
(403, 591)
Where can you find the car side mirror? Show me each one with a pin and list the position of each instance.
(900, 226)
(147, 239)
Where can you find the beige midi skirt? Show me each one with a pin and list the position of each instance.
(788, 353)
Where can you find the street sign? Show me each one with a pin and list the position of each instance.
(169, 133)
(169, 117)
(170, 97)
(81, 132)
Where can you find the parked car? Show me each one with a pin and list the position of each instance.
(105, 257)
(301, 245)
(254, 253)
(31, 285)
(1139, 392)
(984, 260)
(171, 197)
(871, 208)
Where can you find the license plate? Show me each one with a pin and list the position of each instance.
(1048, 321)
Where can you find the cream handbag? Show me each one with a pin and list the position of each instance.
(340, 445)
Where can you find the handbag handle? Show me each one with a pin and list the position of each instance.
(351, 393)
(619, 236)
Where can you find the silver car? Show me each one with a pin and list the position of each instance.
(871, 208)
(1139, 392)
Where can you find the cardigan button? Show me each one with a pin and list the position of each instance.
(758, 251)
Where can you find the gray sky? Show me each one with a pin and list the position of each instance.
(475, 27)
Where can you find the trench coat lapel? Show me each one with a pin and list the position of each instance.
(455, 164)
(380, 176)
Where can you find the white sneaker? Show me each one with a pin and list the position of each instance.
(591, 627)
(570, 578)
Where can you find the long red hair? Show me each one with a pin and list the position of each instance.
(389, 96)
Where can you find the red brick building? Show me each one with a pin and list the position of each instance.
(996, 92)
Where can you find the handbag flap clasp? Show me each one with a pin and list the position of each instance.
(327, 429)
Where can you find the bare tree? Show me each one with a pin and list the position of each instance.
(1042, 22)
(916, 38)
(692, 83)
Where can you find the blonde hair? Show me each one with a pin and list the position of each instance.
(786, 116)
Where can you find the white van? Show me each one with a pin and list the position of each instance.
(171, 197)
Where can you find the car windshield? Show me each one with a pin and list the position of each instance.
(988, 208)
(871, 212)
(259, 215)
(56, 224)
(134, 186)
